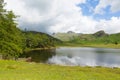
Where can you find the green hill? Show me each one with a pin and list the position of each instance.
(98, 39)
(66, 36)
(39, 40)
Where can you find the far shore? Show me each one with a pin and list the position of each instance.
(114, 46)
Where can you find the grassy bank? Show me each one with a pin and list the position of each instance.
(105, 45)
(12, 70)
(90, 45)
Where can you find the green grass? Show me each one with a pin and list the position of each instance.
(100, 45)
(104, 45)
(12, 70)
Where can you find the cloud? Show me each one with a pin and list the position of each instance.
(52, 15)
(114, 6)
(110, 26)
(61, 16)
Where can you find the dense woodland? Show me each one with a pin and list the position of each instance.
(13, 41)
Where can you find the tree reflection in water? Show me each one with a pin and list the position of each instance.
(39, 55)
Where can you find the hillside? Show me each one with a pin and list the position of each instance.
(70, 36)
(39, 40)
(98, 38)
(66, 36)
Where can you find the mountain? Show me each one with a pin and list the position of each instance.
(100, 33)
(66, 36)
(99, 37)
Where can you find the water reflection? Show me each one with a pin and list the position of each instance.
(39, 55)
(77, 56)
(86, 57)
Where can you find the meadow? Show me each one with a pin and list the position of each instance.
(19, 70)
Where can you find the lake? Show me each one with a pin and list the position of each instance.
(77, 56)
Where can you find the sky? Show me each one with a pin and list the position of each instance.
(81, 16)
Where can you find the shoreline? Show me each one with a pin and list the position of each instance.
(111, 46)
(28, 49)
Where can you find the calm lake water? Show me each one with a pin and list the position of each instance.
(78, 56)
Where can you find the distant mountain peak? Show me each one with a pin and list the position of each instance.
(100, 33)
(69, 32)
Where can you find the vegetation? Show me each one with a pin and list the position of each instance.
(39, 40)
(65, 36)
(12, 70)
(98, 39)
(10, 37)
(13, 41)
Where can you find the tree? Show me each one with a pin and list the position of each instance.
(11, 39)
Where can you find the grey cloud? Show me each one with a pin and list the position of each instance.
(42, 6)
(42, 26)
